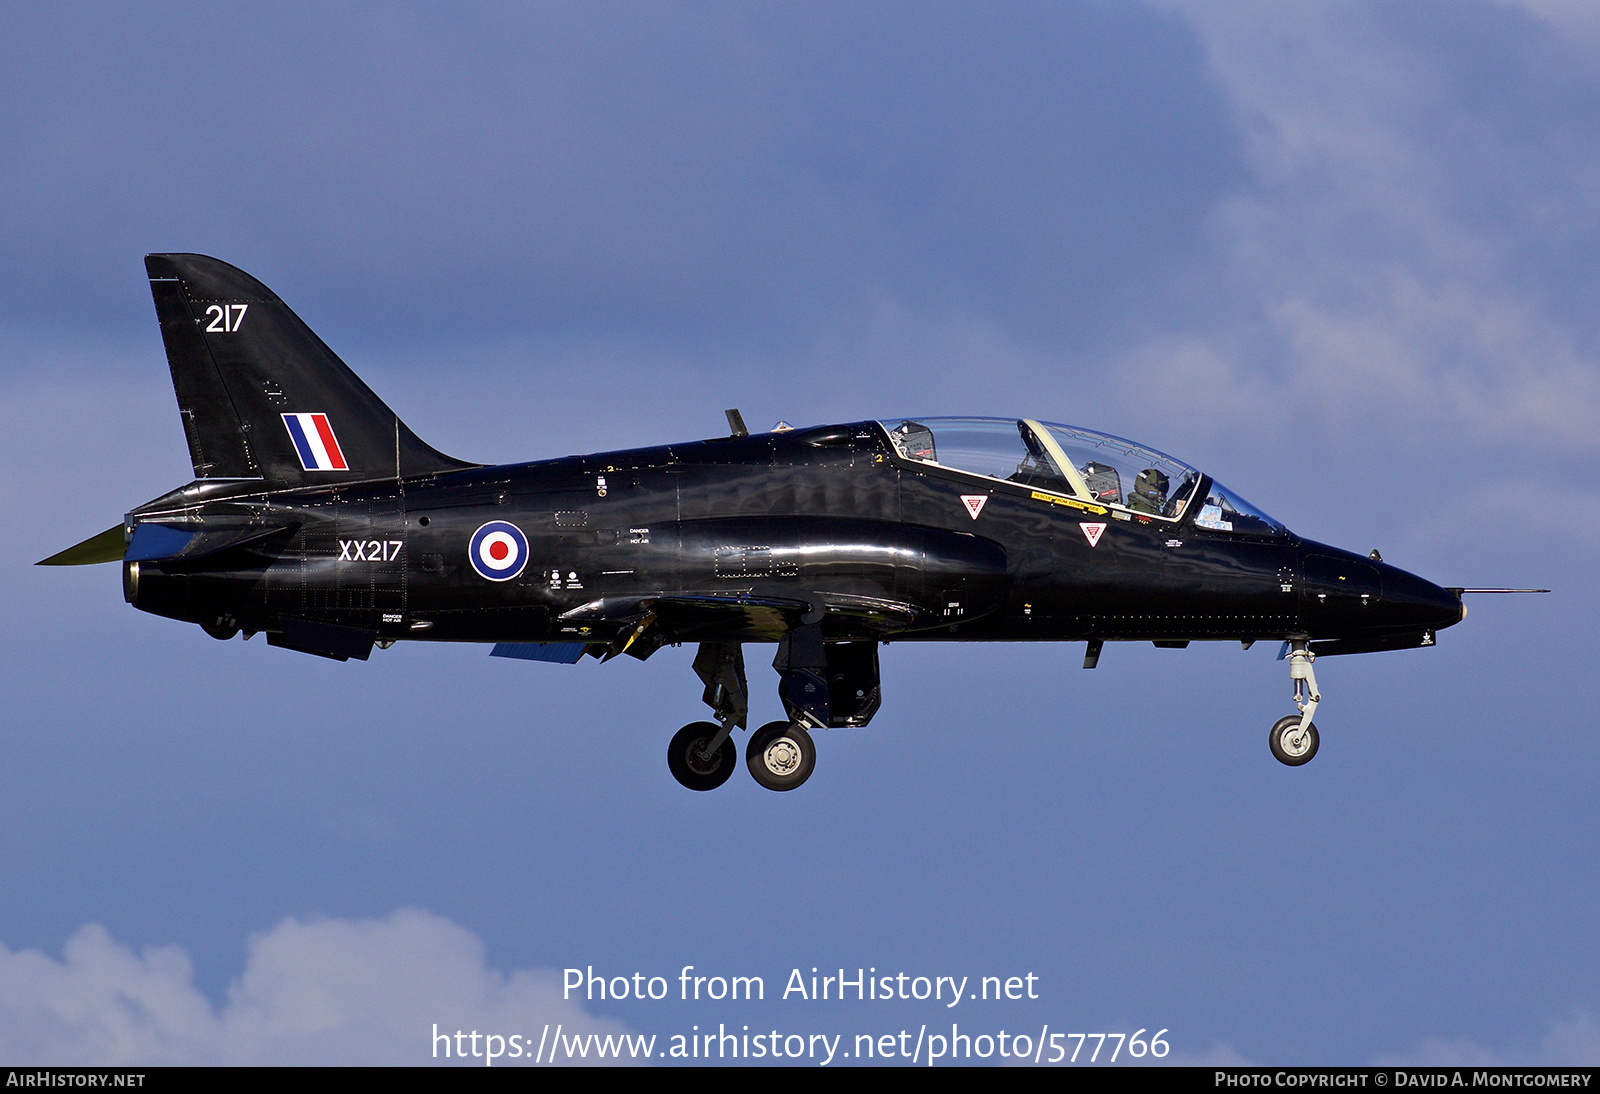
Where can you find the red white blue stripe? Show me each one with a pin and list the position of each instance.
(314, 441)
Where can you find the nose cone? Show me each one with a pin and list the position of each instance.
(1346, 595)
(1411, 601)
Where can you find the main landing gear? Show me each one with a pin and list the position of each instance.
(821, 685)
(1294, 739)
(702, 756)
(780, 755)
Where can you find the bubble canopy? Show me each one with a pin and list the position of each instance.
(1077, 463)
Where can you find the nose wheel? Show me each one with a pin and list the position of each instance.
(780, 755)
(1290, 743)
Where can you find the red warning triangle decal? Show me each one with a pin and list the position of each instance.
(974, 503)
(1091, 532)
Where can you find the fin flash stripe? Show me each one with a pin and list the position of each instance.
(314, 442)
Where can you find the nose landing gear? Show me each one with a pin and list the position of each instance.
(1294, 739)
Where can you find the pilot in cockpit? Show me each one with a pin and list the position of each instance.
(1149, 493)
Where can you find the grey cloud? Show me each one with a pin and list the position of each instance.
(706, 172)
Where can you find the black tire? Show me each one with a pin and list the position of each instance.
(780, 755)
(683, 757)
(1285, 748)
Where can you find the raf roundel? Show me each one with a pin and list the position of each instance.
(498, 550)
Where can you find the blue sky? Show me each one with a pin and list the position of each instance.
(1337, 255)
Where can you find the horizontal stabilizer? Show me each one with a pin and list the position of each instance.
(105, 547)
(166, 543)
(152, 542)
(560, 653)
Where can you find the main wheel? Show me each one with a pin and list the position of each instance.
(780, 755)
(1289, 745)
(691, 769)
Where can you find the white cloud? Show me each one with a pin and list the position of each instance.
(1573, 1042)
(333, 991)
(1578, 19)
(1219, 1054)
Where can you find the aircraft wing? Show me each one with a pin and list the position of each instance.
(760, 614)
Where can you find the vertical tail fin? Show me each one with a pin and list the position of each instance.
(261, 395)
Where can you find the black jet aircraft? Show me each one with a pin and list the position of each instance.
(318, 518)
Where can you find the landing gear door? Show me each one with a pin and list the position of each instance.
(853, 688)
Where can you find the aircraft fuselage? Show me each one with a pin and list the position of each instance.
(832, 515)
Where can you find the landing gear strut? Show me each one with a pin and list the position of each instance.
(701, 756)
(1294, 739)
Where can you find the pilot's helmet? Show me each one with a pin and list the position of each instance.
(1149, 492)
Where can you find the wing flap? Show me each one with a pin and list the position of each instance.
(559, 653)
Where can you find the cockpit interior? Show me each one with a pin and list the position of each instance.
(1077, 463)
